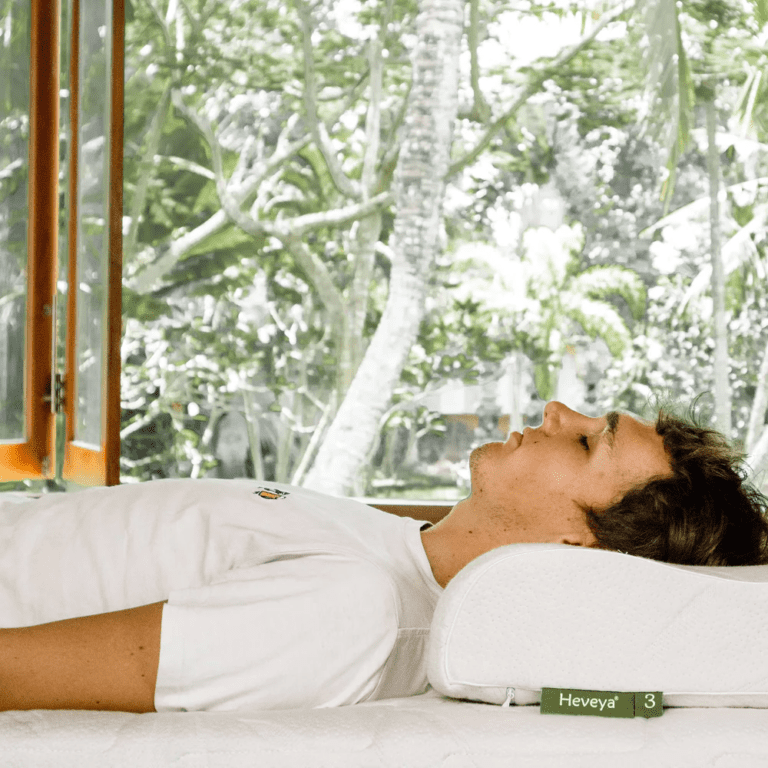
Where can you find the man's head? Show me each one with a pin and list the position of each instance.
(668, 490)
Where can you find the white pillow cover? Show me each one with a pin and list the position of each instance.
(533, 616)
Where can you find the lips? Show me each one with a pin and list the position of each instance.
(518, 438)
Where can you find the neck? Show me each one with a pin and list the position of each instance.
(471, 530)
(455, 541)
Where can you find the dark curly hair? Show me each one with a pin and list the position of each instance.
(705, 513)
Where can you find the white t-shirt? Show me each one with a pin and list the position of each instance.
(279, 597)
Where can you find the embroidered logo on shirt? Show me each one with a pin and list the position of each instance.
(271, 493)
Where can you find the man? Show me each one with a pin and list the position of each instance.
(224, 594)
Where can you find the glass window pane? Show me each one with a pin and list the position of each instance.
(93, 207)
(14, 175)
(549, 282)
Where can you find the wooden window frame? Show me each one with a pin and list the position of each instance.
(35, 457)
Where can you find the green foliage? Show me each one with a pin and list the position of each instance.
(535, 300)
(143, 307)
(672, 356)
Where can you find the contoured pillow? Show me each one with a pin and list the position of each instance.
(533, 616)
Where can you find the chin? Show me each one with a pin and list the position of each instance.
(476, 458)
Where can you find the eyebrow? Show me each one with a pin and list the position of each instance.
(613, 424)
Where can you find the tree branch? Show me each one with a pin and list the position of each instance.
(373, 119)
(311, 221)
(481, 110)
(283, 229)
(342, 182)
(288, 231)
(150, 275)
(187, 165)
(160, 22)
(319, 277)
(535, 82)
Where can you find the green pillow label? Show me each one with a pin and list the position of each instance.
(567, 701)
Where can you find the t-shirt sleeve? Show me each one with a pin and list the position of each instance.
(299, 632)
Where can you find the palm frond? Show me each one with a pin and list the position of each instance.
(669, 87)
(600, 320)
(600, 282)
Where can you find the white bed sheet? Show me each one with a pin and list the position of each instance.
(427, 731)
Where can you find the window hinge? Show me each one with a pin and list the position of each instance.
(56, 396)
(56, 388)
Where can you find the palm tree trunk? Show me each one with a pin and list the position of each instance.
(722, 385)
(419, 189)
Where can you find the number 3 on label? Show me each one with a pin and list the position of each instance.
(652, 705)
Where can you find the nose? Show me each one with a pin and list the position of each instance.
(557, 416)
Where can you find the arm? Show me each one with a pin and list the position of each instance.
(107, 661)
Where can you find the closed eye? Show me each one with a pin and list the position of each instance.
(585, 443)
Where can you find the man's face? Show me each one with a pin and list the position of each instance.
(538, 480)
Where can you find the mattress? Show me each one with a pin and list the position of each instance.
(426, 731)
